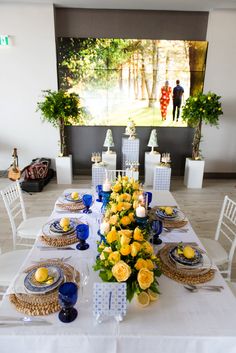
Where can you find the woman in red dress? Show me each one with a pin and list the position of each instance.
(165, 99)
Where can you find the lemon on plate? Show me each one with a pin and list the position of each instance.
(75, 195)
(64, 222)
(169, 211)
(188, 252)
(152, 295)
(143, 299)
(41, 274)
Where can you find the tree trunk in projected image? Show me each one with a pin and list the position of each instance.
(150, 86)
(196, 66)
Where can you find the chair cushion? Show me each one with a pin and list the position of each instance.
(10, 263)
(31, 227)
(215, 250)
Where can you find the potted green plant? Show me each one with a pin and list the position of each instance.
(61, 108)
(200, 108)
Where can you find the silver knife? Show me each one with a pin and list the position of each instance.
(23, 320)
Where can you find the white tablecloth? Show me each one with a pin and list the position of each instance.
(180, 321)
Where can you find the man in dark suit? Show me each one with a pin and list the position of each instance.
(178, 92)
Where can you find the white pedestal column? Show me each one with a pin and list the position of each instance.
(130, 151)
(64, 170)
(151, 160)
(161, 180)
(110, 160)
(193, 174)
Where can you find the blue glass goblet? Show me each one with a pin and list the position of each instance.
(156, 228)
(87, 201)
(148, 194)
(67, 297)
(82, 232)
(99, 192)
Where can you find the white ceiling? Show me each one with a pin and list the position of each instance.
(178, 5)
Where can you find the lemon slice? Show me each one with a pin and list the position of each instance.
(153, 295)
(143, 299)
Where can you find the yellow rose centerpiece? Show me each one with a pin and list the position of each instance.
(126, 254)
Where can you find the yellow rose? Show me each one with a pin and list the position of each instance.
(112, 235)
(107, 249)
(113, 208)
(125, 250)
(121, 271)
(131, 216)
(127, 197)
(113, 219)
(125, 178)
(141, 263)
(124, 240)
(126, 232)
(127, 205)
(113, 196)
(136, 185)
(125, 221)
(102, 256)
(135, 204)
(138, 234)
(116, 187)
(136, 195)
(119, 206)
(145, 278)
(147, 247)
(114, 257)
(150, 265)
(135, 247)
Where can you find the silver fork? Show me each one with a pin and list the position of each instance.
(180, 230)
(62, 259)
(192, 288)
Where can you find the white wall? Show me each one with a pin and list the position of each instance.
(27, 67)
(219, 145)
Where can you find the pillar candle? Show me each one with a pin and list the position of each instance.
(106, 186)
(140, 211)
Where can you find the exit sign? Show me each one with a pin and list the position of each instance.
(4, 40)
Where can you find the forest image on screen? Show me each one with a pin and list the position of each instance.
(121, 78)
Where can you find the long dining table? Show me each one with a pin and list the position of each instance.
(179, 321)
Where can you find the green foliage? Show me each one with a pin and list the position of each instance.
(61, 108)
(201, 108)
(204, 107)
(59, 105)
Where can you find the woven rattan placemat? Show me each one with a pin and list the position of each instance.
(174, 223)
(43, 304)
(182, 275)
(60, 241)
(72, 207)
